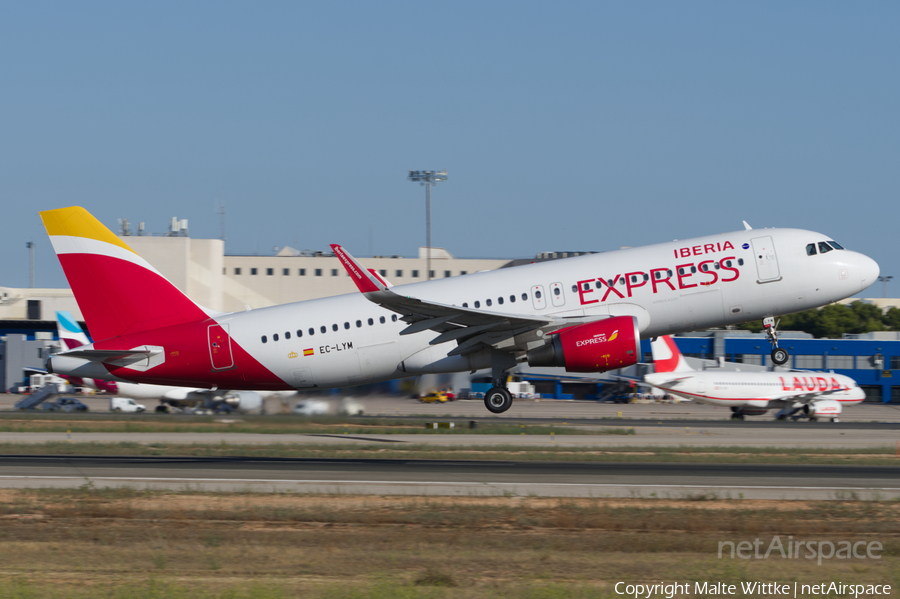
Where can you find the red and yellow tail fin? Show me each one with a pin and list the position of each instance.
(117, 290)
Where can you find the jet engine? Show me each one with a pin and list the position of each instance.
(593, 347)
(826, 408)
(243, 401)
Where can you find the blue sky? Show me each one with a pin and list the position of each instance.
(577, 125)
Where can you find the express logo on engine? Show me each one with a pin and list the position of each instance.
(599, 338)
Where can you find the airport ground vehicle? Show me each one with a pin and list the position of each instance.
(64, 404)
(125, 404)
(311, 407)
(584, 314)
(434, 397)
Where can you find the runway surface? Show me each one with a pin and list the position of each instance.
(654, 435)
(446, 477)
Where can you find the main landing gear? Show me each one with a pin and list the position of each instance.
(779, 354)
(498, 399)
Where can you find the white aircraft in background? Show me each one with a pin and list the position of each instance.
(586, 314)
(815, 394)
(71, 336)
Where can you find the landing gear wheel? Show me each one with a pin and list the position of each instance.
(835, 420)
(497, 400)
(737, 416)
(780, 355)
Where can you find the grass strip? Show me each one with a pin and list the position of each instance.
(683, 454)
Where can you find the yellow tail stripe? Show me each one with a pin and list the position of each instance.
(75, 221)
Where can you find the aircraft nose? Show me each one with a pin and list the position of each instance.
(868, 270)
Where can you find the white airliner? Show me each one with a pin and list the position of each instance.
(71, 335)
(814, 394)
(586, 314)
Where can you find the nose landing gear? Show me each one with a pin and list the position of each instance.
(779, 354)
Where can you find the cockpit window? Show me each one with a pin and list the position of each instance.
(811, 249)
(835, 245)
(824, 247)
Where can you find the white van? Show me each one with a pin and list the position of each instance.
(125, 404)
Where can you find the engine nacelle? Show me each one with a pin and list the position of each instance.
(826, 408)
(593, 347)
(244, 401)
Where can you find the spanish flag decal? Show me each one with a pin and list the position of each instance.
(308, 352)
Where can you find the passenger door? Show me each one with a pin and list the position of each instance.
(766, 260)
(219, 347)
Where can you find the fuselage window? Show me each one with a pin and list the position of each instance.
(633, 279)
(556, 291)
(381, 319)
(610, 282)
(574, 288)
(287, 335)
(693, 269)
(598, 284)
(312, 331)
(669, 272)
(824, 247)
(512, 299)
(394, 317)
(465, 304)
(322, 328)
(477, 304)
(646, 277)
(334, 327)
(275, 337)
(488, 302)
(371, 322)
(346, 325)
(524, 297)
(587, 286)
(299, 332)
(537, 294)
(264, 339)
(358, 324)
(740, 261)
(681, 271)
(716, 265)
(621, 280)
(728, 263)
(500, 300)
(704, 267)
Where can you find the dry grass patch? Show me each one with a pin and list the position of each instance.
(124, 543)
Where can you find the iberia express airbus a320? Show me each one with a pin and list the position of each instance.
(585, 314)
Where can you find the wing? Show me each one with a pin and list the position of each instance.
(811, 396)
(472, 329)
